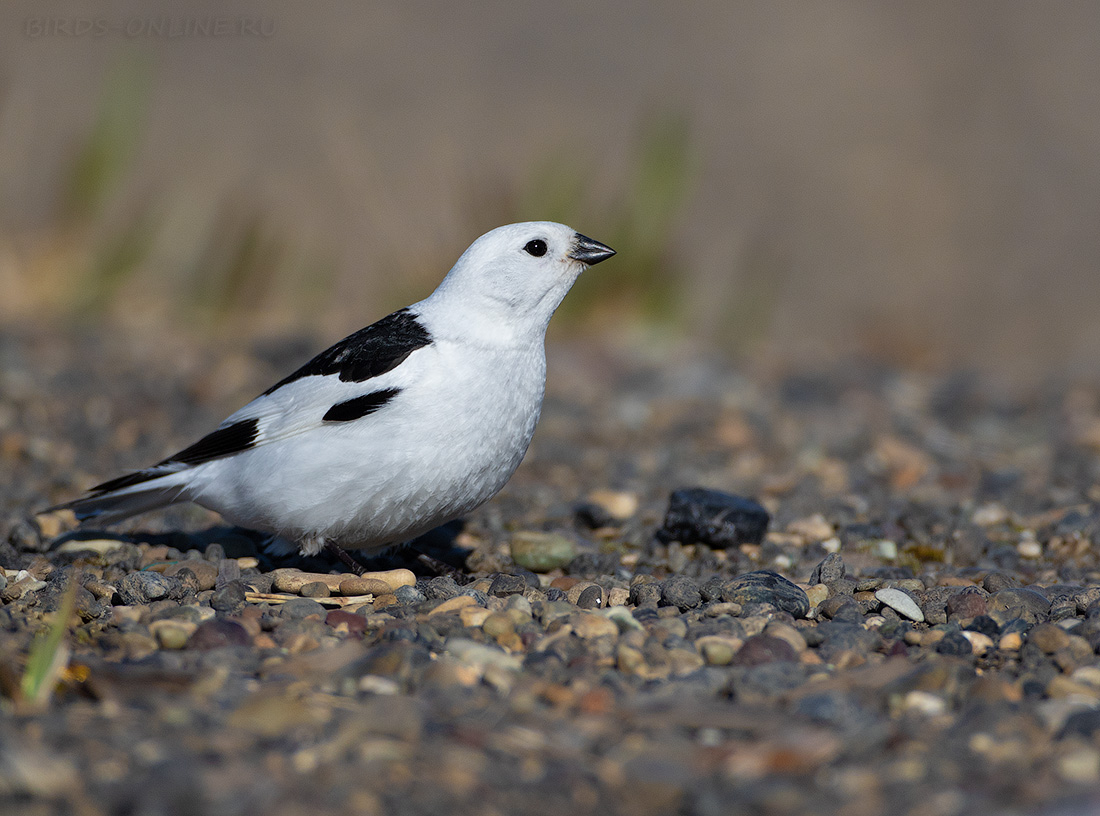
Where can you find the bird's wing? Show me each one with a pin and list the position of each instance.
(332, 387)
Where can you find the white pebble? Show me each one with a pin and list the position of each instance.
(901, 603)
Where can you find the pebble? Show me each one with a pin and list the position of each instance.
(315, 589)
(680, 591)
(1025, 604)
(214, 634)
(768, 587)
(143, 587)
(171, 633)
(901, 602)
(714, 518)
(100, 546)
(356, 585)
(542, 552)
(620, 505)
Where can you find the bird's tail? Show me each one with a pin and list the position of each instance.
(129, 495)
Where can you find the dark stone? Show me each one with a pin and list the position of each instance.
(218, 632)
(985, 625)
(442, 588)
(840, 636)
(680, 591)
(760, 649)
(480, 597)
(591, 598)
(712, 589)
(593, 565)
(996, 581)
(230, 599)
(841, 586)
(143, 587)
(1081, 723)
(555, 594)
(409, 595)
(593, 516)
(841, 607)
(829, 570)
(215, 553)
(504, 585)
(531, 579)
(954, 643)
(764, 586)
(714, 518)
(646, 594)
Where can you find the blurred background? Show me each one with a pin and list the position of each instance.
(914, 182)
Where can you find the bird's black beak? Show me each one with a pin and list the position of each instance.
(589, 252)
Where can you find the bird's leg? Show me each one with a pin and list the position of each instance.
(344, 557)
(437, 566)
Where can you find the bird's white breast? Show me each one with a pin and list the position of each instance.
(446, 443)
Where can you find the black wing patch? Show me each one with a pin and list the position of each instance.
(231, 439)
(360, 406)
(372, 351)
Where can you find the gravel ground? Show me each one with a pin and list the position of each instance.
(915, 633)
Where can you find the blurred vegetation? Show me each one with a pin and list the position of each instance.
(241, 264)
(646, 281)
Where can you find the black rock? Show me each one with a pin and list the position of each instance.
(504, 585)
(645, 594)
(442, 588)
(592, 516)
(591, 598)
(985, 625)
(1081, 723)
(714, 518)
(681, 592)
(764, 586)
(954, 643)
(230, 599)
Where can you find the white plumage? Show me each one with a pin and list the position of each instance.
(405, 425)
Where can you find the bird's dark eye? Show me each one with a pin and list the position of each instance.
(536, 248)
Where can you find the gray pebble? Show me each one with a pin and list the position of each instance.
(143, 587)
(300, 608)
(764, 586)
(831, 569)
(409, 595)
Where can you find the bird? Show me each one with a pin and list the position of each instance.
(399, 428)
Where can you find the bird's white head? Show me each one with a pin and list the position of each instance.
(515, 276)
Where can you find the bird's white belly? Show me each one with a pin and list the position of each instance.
(446, 444)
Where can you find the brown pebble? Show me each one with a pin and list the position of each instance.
(206, 574)
(315, 589)
(346, 622)
(360, 585)
(213, 634)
